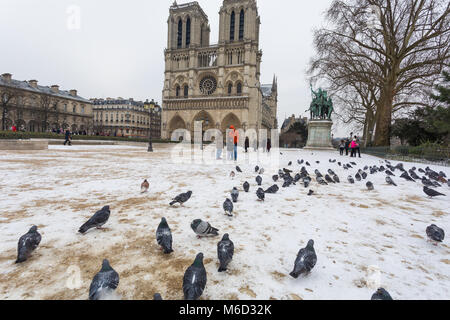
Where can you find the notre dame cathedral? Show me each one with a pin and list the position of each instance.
(218, 84)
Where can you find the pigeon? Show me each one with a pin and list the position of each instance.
(258, 180)
(321, 181)
(225, 251)
(181, 198)
(287, 170)
(97, 220)
(414, 175)
(256, 169)
(350, 179)
(365, 168)
(228, 207)
(382, 169)
(390, 181)
(307, 163)
(306, 183)
(318, 162)
(318, 174)
(306, 260)
(238, 169)
(297, 177)
(234, 195)
(290, 163)
(421, 170)
(310, 193)
(331, 172)
(328, 178)
(275, 178)
(260, 194)
(406, 176)
(273, 189)
(442, 174)
(369, 185)
(164, 236)
(358, 177)
(203, 229)
(381, 294)
(144, 186)
(435, 233)
(336, 179)
(353, 163)
(448, 183)
(246, 186)
(157, 296)
(427, 182)
(104, 282)
(389, 173)
(261, 171)
(364, 175)
(27, 244)
(300, 162)
(431, 192)
(399, 166)
(194, 279)
(340, 164)
(232, 174)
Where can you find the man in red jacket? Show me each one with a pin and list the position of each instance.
(235, 136)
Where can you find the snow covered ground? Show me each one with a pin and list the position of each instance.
(356, 232)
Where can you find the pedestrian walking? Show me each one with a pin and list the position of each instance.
(342, 147)
(247, 144)
(68, 138)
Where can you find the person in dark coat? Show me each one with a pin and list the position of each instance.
(247, 144)
(68, 138)
(269, 145)
(347, 146)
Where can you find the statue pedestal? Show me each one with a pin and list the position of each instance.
(319, 135)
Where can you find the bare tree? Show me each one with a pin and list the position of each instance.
(47, 107)
(398, 59)
(7, 96)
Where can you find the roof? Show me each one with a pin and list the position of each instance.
(285, 123)
(24, 85)
(266, 90)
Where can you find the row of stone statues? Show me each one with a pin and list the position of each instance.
(321, 106)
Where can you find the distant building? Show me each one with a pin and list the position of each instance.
(36, 108)
(294, 132)
(121, 117)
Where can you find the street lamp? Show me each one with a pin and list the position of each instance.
(150, 145)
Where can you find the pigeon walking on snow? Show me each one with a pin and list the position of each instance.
(431, 192)
(275, 178)
(306, 260)
(310, 193)
(358, 177)
(157, 296)
(435, 234)
(246, 186)
(369, 185)
(97, 220)
(194, 280)
(228, 207)
(258, 180)
(390, 181)
(256, 169)
(225, 251)
(27, 244)
(235, 194)
(273, 189)
(181, 198)
(164, 236)
(238, 169)
(104, 282)
(144, 186)
(350, 179)
(260, 194)
(203, 229)
(381, 294)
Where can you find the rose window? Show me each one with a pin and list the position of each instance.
(208, 85)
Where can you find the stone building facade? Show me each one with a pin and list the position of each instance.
(294, 132)
(155, 111)
(216, 84)
(125, 117)
(36, 108)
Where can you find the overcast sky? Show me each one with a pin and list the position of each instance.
(117, 48)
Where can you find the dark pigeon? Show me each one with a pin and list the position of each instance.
(328, 179)
(246, 186)
(353, 163)
(203, 229)
(164, 236)
(381, 294)
(181, 198)
(389, 173)
(414, 175)
(321, 181)
(27, 244)
(406, 176)
(228, 207)
(369, 185)
(258, 180)
(336, 179)
(364, 175)
(256, 169)
(434, 233)
(427, 182)
(238, 169)
(358, 177)
(273, 189)
(225, 251)
(350, 179)
(310, 193)
(104, 282)
(307, 163)
(97, 220)
(306, 260)
(194, 280)
(390, 181)
(275, 178)
(431, 192)
(290, 163)
(306, 183)
(157, 296)
(235, 194)
(287, 171)
(260, 194)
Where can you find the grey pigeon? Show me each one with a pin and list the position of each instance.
(194, 280)
(97, 220)
(427, 182)
(157, 296)
(235, 194)
(27, 244)
(350, 179)
(369, 185)
(328, 178)
(164, 236)
(448, 182)
(306, 183)
(275, 178)
(273, 189)
(364, 175)
(321, 181)
(246, 186)
(381, 294)
(414, 175)
(181, 198)
(261, 171)
(238, 169)
(306, 260)
(390, 181)
(203, 229)
(310, 193)
(290, 163)
(225, 251)
(336, 179)
(258, 180)
(256, 169)
(228, 207)
(358, 177)
(260, 194)
(434, 233)
(406, 176)
(307, 163)
(389, 173)
(431, 192)
(104, 282)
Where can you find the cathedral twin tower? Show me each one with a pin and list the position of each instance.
(216, 84)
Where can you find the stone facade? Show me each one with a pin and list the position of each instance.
(36, 108)
(124, 117)
(217, 84)
(291, 136)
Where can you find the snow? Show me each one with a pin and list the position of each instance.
(356, 231)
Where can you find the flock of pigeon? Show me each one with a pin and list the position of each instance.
(195, 277)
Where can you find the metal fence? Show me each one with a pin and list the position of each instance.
(428, 155)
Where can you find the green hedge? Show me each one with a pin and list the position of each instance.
(41, 135)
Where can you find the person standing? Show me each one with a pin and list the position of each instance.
(14, 128)
(247, 144)
(68, 138)
(219, 148)
(269, 145)
(342, 147)
(235, 139)
(347, 146)
(357, 147)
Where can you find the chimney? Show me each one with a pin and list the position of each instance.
(73, 93)
(7, 77)
(55, 88)
(33, 83)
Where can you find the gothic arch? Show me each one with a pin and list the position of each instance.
(232, 25)
(188, 31)
(229, 120)
(208, 121)
(241, 24)
(176, 123)
(179, 33)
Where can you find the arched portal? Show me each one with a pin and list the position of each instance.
(176, 123)
(206, 119)
(230, 120)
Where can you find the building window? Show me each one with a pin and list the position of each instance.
(241, 25)
(65, 107)
(232, 26)
(188, 32)
(177, 91)
(180, 34)
(74, 109)
(230, 88)
(186, 91)
(239, 88)
(82, 109)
